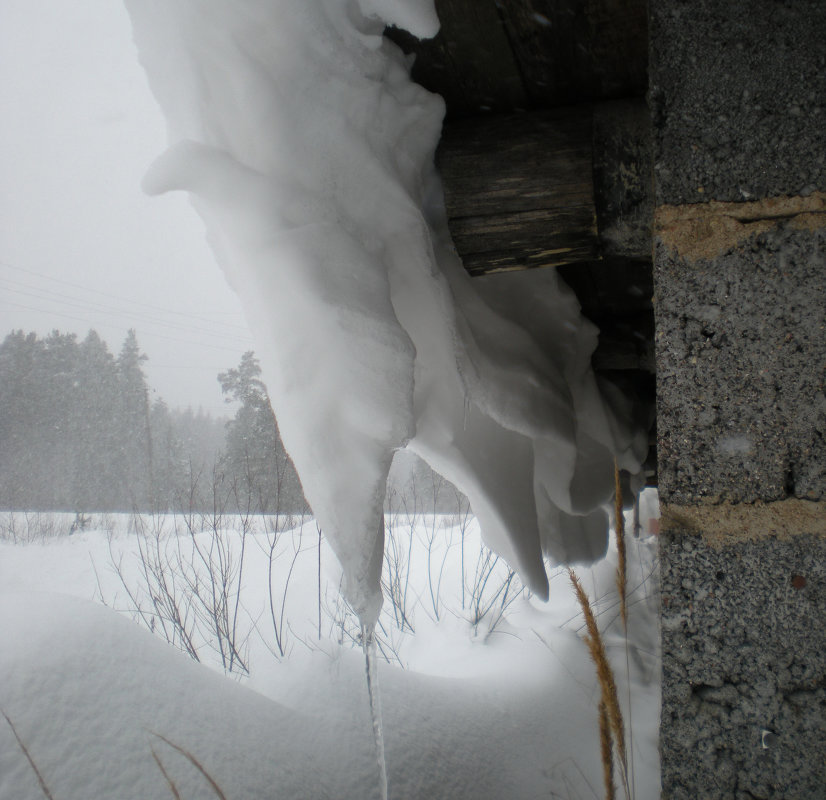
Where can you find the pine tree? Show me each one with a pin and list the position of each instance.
(134, 429)
(169, 465)
(259, 467)
(77, 433)
(19, 355)
(54, 410)
(96, 470)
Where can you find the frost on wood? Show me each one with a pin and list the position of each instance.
(309, 152)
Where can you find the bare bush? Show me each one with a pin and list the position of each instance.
(189, 577)
(25, 527)
(492, 589)
(158, 600)
(187, 582)
(276, 528)
(421, 543)
(399, 533)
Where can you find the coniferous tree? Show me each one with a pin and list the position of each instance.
(135, 435)
(202, 437)
(97, 483)
(19, 355)
(257, 463)
(54, 411)
(77, 433)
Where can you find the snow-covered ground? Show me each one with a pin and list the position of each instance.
(504, 708)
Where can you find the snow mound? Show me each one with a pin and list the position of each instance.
(90, 695)
(309, 153)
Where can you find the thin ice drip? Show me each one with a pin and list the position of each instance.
(368, 643)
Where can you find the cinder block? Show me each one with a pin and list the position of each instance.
(741, 360)
(744, 667)
(738, 100)
(737, 90)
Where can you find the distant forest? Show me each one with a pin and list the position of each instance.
(78, 433)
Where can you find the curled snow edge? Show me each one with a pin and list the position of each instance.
(309, 153)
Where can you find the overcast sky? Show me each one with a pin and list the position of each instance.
(80, 246)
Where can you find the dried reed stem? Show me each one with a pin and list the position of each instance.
(605, 676)
(622, 590)
(172, 788)
(622, 568)
(43, 787)
(606, 748)
(195, 763)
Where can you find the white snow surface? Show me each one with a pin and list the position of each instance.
(309, 153)
(511, 714)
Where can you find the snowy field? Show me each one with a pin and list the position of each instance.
(486, 692)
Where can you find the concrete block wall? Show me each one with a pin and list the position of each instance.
(741, 351)
(738, 102)
(744, 696)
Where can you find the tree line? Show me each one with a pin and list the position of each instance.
(78, 432)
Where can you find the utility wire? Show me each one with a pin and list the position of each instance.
(93, 307)
(144, 333)
(131, 303)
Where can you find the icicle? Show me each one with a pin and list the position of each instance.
(368, 643)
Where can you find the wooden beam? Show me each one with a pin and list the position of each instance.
(520, 189)
(470, 63)
(624, 178)
(574, 51)
(508, 55)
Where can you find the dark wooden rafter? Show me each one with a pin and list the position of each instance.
(548, 188)
(519, 190)
(507, 55)
(539, 169)
(570, 51)
(546, 155)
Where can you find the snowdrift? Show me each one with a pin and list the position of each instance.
(309, 153)
(91, 695)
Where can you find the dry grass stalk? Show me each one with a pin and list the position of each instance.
(605, 676)
(172, 788)
(606, 747)
(622, 568)
(195, 763)
(43, 787)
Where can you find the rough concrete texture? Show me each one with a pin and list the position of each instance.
(744, 669)
(741, 368)
(738, 98)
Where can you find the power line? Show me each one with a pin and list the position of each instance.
(189, 366)
(104, 325)
(86, 288)
(62, 297)
(82, 304)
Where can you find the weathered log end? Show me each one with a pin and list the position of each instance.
(549, 188)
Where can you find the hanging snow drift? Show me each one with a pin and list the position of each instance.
(309, 153)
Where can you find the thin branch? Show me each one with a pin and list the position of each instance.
(43, 787)
(195, 763)
(172, 788)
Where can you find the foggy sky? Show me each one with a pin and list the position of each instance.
(80, 245)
